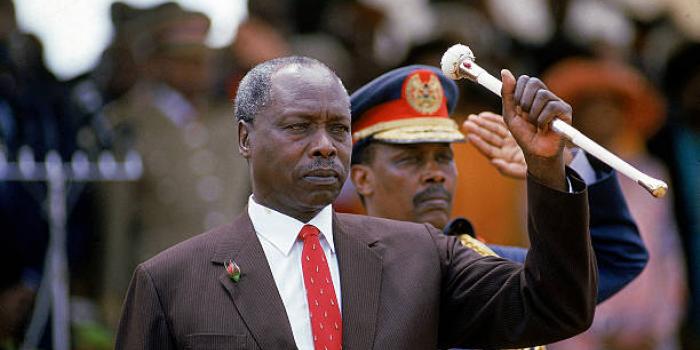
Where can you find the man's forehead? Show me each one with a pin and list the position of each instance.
(414, 147)
(298, 74)
(304, 84)
(303, 69)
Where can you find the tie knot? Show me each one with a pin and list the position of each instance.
(308, 231)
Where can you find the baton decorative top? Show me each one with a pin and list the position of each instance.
(453, 58)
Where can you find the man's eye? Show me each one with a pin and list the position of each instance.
(340, 128)
(408, 160)
(297, 127)
(445, 158)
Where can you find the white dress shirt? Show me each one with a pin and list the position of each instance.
(278, 234)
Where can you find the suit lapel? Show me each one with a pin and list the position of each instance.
(360, 280)
(255, 295)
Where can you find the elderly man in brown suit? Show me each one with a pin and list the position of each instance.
(291, 273)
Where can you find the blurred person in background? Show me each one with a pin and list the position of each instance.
(339, 33)
(677, 144)
(618, 108)
(256, 41)
(113, 76)
(193, 179)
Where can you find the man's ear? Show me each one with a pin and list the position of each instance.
(244, 136)
(362, 177)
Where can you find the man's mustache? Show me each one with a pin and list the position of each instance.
(320, 163)
(432, 192)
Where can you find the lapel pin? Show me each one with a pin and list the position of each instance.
(233, 270)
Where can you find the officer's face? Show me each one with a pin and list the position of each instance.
(299, 145)
(408, 182)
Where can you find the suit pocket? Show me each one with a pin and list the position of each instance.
(218, 341)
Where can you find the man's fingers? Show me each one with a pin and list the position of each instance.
(488, 129)
(541, 99)
(517, 171)
(494, 123)
(507, 94)
(552, 109)
(474, 126)
(566, 113)
(492, 117)
(538, 105)
(500, 164)
(482, 146)
(520, 88)
(532, 87)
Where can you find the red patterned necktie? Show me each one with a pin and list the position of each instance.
(326, 323)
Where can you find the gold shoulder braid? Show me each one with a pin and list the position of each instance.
(483, 250)
(476, 245)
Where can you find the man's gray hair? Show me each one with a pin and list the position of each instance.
(254, 90)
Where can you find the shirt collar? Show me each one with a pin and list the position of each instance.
(282, 230)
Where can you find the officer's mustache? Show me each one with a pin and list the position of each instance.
(435, 191)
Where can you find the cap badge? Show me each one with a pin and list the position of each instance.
(423, 96)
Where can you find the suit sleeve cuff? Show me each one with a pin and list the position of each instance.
(575, 183)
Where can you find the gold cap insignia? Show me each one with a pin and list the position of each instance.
(424, 96)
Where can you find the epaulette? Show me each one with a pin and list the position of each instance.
(476, 245)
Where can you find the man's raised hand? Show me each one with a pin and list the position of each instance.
(528, 108)
(488, 133)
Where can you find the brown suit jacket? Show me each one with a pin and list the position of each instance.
(403, 285)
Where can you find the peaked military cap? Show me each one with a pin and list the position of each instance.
(406, 105)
